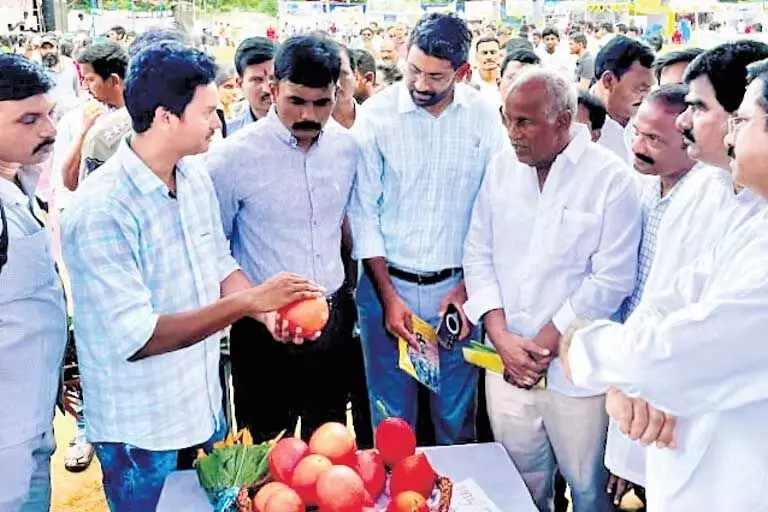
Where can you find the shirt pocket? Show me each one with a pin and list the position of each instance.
(30, 266)
(574, 236)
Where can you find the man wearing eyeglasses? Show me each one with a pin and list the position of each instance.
(426, 143)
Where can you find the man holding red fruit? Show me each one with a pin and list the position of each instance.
(283, 185)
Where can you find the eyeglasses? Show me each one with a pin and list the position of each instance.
(735, 123)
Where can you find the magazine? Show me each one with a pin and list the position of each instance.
(422, 364)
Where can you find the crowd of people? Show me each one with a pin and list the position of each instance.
(595, 212)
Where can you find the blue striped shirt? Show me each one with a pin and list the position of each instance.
(134, 253)
(419, 175)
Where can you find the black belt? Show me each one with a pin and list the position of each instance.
(425, 278)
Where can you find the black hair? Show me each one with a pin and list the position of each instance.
(550, 31)
(607, 26)
(535, 33)
(595, 107)
(106, 59)
(66, 47)
(757, 27)
(518, 42)
(156, 35)
(759, 71)
(310, 61)
(253, 51)
(579, 38)
(634, 29)
(486, 39)
(672, 96)
(164, 74)
(388, 73)
(119, 30)
(675, 57)
(444, 36)
(21, 78)
(622, 28)
(618, 55)
(725, 66)
(364, 61)
(522, 55)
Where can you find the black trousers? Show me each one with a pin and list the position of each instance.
(276, 383)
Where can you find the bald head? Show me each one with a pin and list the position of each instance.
(538, 112)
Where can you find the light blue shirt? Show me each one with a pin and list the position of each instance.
(33, 324)
(283, 208)
(134, 253)
(240, 120)
(419, 176)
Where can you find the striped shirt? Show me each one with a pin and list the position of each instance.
(419, 175)
(135, 253)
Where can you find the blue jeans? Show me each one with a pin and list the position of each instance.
(133, 477)
(25, 475)
(453, 410)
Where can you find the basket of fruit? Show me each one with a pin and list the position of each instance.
(328, 474)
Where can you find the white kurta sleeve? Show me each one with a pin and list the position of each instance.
(479, 275)
(699, 347)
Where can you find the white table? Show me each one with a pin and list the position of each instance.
(487, 463)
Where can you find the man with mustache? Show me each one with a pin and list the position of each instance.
(553, 237)
(624, 79)
(154, 284)
(426, 142)
(487, 56)
(283, 186)
(696, 350)
(62, 71)
(679, 198)
(33, 326)
(254, 63)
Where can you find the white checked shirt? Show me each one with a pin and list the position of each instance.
(654, 207)
(134, 253)
(563, 252)
(418, 176)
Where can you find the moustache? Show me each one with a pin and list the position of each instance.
(49, 60)
(307, 126)
(644, 158)
(731, 152)
(688, 136)
(43, 145)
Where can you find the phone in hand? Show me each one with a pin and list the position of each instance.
(450, 327)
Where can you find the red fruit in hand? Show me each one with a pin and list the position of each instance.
(284, 456)
(371, 469)
(395, 440)
(408, 501)
(335, 441)
(340, 489)
(413, 473)
(306, 474)
(309, 314)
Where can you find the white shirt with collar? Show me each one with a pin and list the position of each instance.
(684, 233)
(559, 61)
(697, 350)
(33, 325)
(568, 251)
(614, 137)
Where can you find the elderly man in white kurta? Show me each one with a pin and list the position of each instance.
(553, 237)
(697, 351)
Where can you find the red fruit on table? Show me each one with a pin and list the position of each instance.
(395, 440)
(266, 492)
(335, 441)
(285, 500)
(284, 456)
(340, 489)
(305, 475)
(413, 473)
(408, 501)
(309, 314)
(371, 469)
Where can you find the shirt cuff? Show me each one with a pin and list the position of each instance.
(365, 247)
(481, 302)
(228, 265)
(564, 317)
